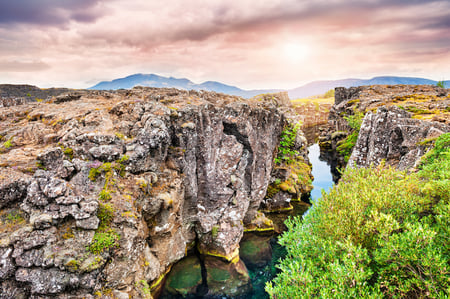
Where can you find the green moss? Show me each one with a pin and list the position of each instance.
(287, 141)
(272, 190)
(105, 237)
(104, 195)
(120, 135)
(355, 101)
(105, 214)
(103, 241)
(8, 143)
(68, 152)
(93, 174)
(214, 231)
(40, 165)
(72, 265)
(345, 146)
(14, 216)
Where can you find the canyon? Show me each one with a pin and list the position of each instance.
(103, 192)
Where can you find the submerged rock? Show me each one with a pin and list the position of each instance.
(255, 250)
(226, 279)
(185, 278)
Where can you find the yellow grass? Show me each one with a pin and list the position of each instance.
(329, 100)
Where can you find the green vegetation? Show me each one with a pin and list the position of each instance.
(144, 287)
(440, 84)
(68, 152)
(120, 135)
(345, 146)
(9, 143)
(214, 231)
(329, 94)
(107, 170)
(105, 237)
(381, 233)
(286, 153)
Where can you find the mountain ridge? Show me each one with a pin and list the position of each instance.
(309, 89)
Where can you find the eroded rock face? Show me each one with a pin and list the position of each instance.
(398, 118)
(392, 135)
(107, 190)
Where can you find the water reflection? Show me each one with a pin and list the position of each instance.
(323, 179)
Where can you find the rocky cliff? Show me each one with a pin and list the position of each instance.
(395, 124)
(102, 192)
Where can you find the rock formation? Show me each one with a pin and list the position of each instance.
(398, 122)
(392, 135)
(102, 192)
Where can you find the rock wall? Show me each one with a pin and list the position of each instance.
(102, 192)
(391, 135)
(398, 120)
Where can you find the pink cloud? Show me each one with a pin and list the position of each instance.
(242, 43)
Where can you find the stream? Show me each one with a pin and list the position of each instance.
(262, 267)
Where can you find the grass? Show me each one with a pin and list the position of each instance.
(329, 100)
(380, 233)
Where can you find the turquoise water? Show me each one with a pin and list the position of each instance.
(260, 275)
(323, 179)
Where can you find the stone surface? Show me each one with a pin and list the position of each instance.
(416, 111)
(392, 135)
(113, 188)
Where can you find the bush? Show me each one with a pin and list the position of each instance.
(440, 84)
(379, 233)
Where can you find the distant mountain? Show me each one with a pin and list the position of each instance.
(152, 80)
(320, 87)
(310, 89)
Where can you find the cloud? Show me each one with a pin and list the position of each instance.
(48, 12)
(238, 42)
(23, 66)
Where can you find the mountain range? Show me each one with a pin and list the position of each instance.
(310, 89)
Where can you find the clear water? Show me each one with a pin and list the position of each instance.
(260, 275)
(323, 179)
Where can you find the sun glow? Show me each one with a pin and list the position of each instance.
(294, 52)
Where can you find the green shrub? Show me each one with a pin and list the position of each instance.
(440, 84)
(380, 233)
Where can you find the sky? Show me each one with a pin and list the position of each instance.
(246, 43)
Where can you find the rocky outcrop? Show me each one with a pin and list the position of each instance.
(398, 121)
(12, 95)
(392, 135)
(102, 192)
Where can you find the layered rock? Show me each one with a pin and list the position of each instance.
(102, 192)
